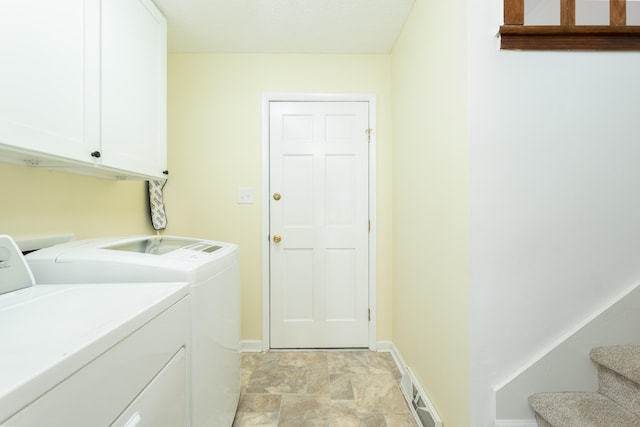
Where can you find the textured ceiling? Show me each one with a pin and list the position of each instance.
(284, 26)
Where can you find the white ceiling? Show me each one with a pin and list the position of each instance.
(284, 26)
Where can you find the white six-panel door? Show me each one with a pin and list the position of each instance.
(319, 224)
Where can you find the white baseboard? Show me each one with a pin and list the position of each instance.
(389, 347)
(250, 346)
(516, 423)
(384, 346)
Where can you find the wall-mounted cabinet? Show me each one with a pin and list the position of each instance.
(134, 52)
(83, 86)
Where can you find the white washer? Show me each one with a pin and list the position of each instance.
(212, 271)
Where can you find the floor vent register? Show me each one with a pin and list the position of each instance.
(421, 407)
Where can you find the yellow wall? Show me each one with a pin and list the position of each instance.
(215, 146)
(38, 202)
(431, 204)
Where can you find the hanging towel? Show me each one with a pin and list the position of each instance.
(156, 204)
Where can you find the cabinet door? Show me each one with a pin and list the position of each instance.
(49, 77)
(133, 86)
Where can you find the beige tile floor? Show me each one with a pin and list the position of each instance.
(321, 389)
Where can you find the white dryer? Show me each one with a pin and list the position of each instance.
(212, 271)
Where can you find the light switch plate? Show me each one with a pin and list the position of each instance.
(245, 195)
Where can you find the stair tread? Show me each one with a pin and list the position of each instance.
(579, 409)
(623, 359)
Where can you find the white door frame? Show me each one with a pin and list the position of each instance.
(316, 97)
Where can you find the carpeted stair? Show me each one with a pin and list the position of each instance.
(617, 404)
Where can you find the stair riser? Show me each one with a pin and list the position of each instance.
(620, 389)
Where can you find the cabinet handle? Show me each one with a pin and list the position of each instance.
(96, 154)
(165, 172)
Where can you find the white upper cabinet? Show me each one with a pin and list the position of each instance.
(83, 86)
(49, 76)
(134, 67)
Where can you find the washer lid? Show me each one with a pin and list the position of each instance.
(160, 245)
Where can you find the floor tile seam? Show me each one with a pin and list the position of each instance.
(301, 394)
(279, 413)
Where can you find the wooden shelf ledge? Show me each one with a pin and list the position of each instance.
(561, 37)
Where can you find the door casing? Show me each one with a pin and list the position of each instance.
(318, 97)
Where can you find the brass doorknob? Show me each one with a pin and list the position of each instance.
(276, 196)
(277, 238)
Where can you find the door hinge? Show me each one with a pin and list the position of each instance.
(369, 315)
(368, 131)
(369, 226)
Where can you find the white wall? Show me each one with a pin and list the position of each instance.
(555, 195)
(568, 366)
